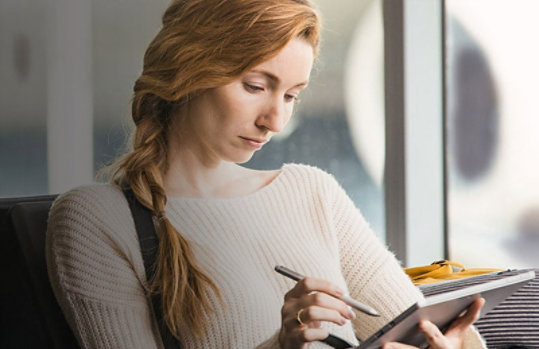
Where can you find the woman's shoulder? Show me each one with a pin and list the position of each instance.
(311, 180)
(304, 169)
(309, 174)
(91, 244)
(90, 206)
(91, 190)
(89, 197)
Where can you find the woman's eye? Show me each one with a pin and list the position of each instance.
(290, 98)
(253, 88)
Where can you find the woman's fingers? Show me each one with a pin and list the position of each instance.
(436, 339)
(300, 336)
(306, 305)
(315, 324)
(454, 335)
(317, 314)
(312, 334)
(312, 316)
(396, 345)
(434, 336)
(326, 301)
(308, 285)
(467, 319)
(317, 301)
(316, 292)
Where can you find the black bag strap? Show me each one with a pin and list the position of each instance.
(149, 244)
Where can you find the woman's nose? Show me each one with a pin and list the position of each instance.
(274, 116)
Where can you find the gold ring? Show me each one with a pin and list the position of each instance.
(298, 318)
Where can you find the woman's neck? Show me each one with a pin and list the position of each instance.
(187, 176)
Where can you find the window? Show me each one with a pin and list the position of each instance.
(492, 132)
(338, 126)
(66, 88)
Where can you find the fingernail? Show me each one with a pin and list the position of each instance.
(423, 325)
(388, 346)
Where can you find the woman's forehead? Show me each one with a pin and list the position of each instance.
(291, 66)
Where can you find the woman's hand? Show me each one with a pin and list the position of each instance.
(310, 302)
(453, 337)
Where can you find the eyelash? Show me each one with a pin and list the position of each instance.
(254, 88)
(291, 98)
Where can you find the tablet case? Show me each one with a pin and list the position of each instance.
(445, 302)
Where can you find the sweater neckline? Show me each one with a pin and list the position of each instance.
(269, 186)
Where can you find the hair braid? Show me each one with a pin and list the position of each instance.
(177, 277)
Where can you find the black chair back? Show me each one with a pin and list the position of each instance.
(29, 316)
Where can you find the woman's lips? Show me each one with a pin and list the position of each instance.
(256, 143)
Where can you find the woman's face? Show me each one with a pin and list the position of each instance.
(231, 122)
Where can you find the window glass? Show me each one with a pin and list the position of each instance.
(121, 32)
(23, 101)
(338, 126)
(492, 132)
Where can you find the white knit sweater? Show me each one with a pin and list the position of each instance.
(303, 220)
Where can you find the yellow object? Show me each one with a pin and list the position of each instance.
(443, 271)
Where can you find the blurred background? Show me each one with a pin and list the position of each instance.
(67, 68)
(493, 131)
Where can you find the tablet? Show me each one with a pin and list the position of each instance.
(443, 307)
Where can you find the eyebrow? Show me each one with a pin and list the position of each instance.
(275, 79)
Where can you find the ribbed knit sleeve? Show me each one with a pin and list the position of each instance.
(372, 273)
(96, 270)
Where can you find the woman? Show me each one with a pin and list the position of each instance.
(219, 80)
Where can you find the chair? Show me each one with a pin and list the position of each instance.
(29, 315)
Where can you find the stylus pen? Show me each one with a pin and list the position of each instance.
(350, 301)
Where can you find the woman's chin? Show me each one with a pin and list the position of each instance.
(242, 158)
